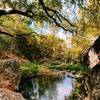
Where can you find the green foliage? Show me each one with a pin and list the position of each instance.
(77, 68)
(58, 67)
(5, 43)
(32, 7)
(41, 48)
(29, 68)
(24, 47)
(75, 94)
(49, 48)
(15, 25)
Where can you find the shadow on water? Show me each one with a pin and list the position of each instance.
(47, 88)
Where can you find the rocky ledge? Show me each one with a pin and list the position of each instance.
(10, 76)
(90, 89)
(6, 94)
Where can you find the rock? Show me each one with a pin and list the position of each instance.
(10, 74)
(6, 94)
(92, 56)
(90, 88)
(94, 53)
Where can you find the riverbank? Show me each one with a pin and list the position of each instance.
(35, 69)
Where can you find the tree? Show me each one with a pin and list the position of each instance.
(52, 11)
(15, 14)
(39, 9)
(36, 10)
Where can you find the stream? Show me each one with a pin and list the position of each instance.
(48, 88)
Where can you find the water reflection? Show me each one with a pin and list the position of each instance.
(47, 88)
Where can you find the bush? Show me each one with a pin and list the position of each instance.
(29, 68)
(77, 67)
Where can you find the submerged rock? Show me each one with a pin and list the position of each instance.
(6, 94)
(10, 74)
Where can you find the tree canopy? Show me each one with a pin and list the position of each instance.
(80, 17)
(61, 12)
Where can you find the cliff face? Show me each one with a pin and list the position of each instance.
(10, 74)
(6, 94)
(94, 53)
(90, 88)
(92, 57)
(10, 77)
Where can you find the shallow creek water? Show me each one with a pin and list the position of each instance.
(48, 88)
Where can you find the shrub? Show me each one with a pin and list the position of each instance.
(77, 67)
(29, 68)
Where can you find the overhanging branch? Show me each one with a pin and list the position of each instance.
(58, 15)
(4, 32)
(47, 10)
(12, 11)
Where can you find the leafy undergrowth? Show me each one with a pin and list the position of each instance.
(29, 68)
(77, 68)
(36, 68)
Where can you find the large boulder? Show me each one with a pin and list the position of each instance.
(6, 94)
(10, 74)
(90, 88)
(92, 57)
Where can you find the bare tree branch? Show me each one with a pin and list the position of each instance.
(4, 32)
(13, 11)
(30, 14)
(59, 16)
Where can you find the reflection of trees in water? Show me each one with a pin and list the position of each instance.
(39, 87)
(47, 85)
(26, 88)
